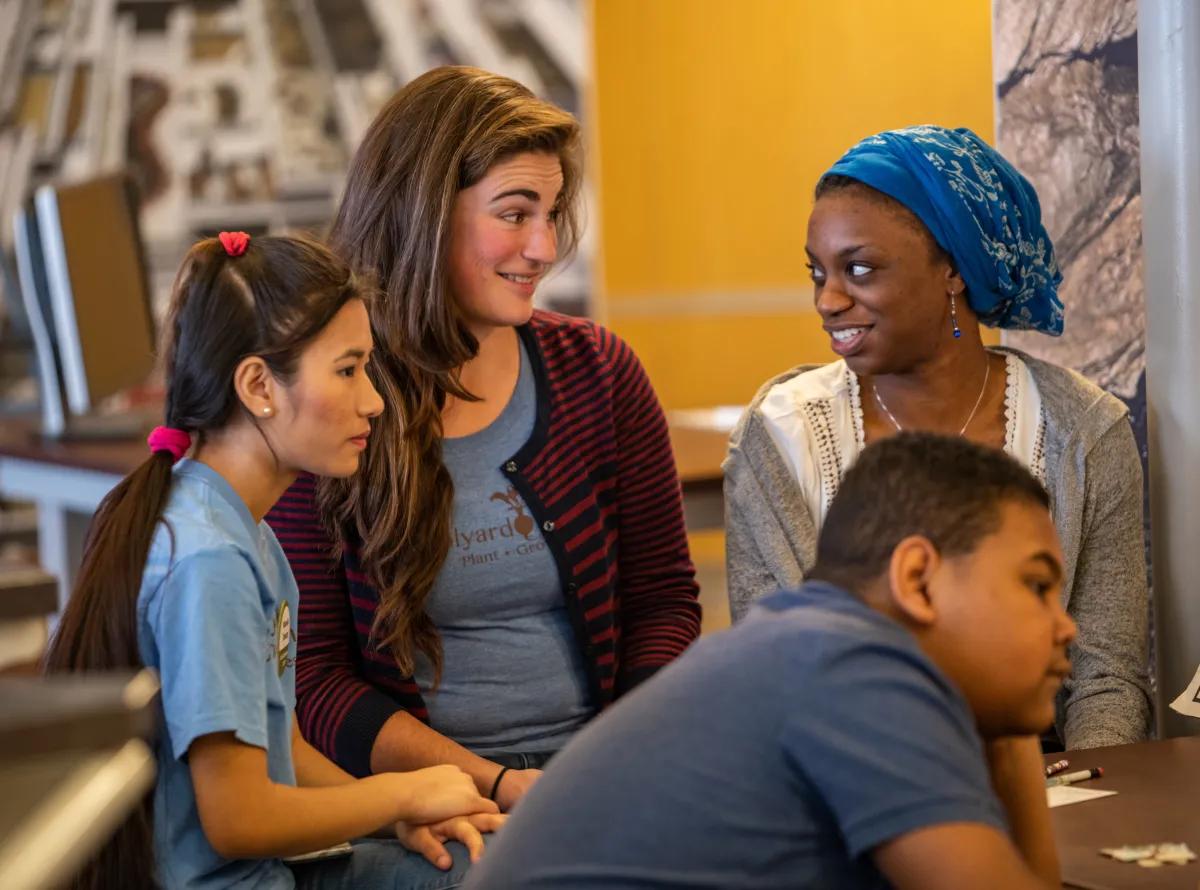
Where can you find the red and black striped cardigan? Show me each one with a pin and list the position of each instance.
(598, 476)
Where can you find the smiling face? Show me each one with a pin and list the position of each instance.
(504, 239)
(881, 285)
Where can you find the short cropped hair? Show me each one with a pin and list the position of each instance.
(942, 488)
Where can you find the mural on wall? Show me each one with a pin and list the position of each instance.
(242, 114)
(1067, 116)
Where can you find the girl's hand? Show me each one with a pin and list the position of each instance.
(429, 840)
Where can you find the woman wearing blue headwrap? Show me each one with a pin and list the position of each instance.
(918, 236)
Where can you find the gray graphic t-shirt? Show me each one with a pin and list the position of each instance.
(513, 680)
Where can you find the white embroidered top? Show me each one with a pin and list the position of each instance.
(816, 421)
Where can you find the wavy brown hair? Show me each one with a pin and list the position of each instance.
(272, 301)
(440, 134)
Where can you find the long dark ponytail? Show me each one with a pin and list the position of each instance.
(271, 301)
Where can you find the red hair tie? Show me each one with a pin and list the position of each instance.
(234, 242)
(165, 438)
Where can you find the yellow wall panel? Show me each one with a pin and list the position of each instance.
(698, 362)
(714, 120)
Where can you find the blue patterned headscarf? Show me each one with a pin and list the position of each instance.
(980, 210)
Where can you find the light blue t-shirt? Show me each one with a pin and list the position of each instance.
(216, 618)
(514, 679)
(775, 755)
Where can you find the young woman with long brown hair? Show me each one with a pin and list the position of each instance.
(512, 549)
(266, 348)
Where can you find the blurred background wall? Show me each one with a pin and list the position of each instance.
(714, 121)
(242, 114)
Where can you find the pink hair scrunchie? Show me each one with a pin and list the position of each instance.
(165, 438)
(234, 242)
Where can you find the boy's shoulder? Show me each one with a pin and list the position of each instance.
(820, 622)
(841, 651)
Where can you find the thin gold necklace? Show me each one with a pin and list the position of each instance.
(987, 370)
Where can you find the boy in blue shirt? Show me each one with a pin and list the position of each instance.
(877, 727)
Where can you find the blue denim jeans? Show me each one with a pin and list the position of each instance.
(382, 865)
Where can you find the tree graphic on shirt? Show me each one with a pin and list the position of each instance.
(523, 523)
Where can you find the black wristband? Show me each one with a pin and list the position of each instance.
(496, 784)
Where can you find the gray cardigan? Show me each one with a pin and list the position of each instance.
(1094, 477)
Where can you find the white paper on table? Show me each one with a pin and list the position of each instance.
(1061, 795)
(1187, 703)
